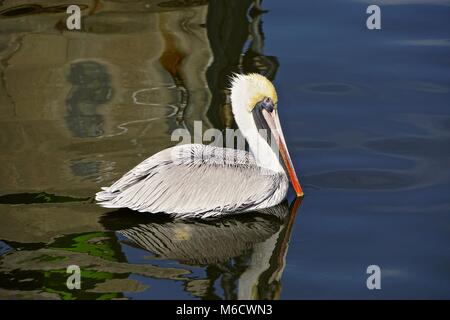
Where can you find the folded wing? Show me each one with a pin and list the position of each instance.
(194, 181)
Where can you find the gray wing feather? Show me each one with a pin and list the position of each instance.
(195, 181)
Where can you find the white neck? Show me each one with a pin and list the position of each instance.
(262, 151)
(265, 156)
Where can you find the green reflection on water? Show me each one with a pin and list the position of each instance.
(41, 197)
(83, 243)
(55, 278)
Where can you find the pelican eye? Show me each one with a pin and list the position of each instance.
(267, 104)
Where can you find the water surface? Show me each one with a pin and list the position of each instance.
(365, 114)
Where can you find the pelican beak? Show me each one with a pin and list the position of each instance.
(274, 124)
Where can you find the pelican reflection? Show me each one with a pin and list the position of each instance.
(244, 255)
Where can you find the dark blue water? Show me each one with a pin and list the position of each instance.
(367, 122)
(367, 113)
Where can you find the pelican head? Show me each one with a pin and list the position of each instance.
(254, 103)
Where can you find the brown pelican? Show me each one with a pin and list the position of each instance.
(203, 181)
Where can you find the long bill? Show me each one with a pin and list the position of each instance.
(274, 123)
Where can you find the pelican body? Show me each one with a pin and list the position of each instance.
(203, 181)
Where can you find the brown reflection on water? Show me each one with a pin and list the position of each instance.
(80, 108)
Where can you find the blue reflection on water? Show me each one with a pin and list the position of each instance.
(380, 100)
